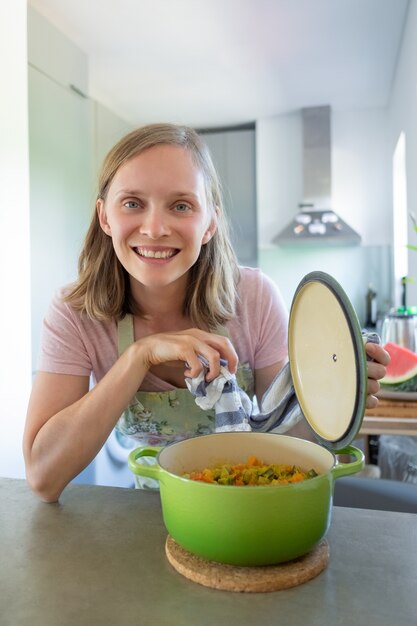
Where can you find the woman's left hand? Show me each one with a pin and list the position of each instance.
(376, 371)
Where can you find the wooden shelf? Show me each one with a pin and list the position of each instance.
(393, 417)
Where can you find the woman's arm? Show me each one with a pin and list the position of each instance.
(264, 377)
(67, 425)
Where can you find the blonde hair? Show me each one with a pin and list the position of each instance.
(102, 290)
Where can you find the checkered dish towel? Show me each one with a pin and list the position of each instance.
(234, 410)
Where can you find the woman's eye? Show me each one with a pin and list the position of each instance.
(131, 204)
(181, 207)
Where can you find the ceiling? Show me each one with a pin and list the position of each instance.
(212, 63)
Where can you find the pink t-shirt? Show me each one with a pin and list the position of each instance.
(74, 344)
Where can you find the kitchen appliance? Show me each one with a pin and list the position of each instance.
(271, 524)
(400, 326)
(316, 222)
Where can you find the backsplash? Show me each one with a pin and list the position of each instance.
(355, 268)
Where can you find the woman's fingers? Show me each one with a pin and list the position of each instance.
(188, 347)
(213, 359)
(376, 370)
(377, 353)
(215, 347)
(373, 386)
(371, 402)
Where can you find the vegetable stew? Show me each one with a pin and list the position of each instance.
(252, 473)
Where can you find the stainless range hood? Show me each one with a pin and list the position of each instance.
(316, 222)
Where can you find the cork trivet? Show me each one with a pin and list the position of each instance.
(253, 578)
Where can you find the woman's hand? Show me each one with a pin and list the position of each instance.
(185, 346)
(376, 371)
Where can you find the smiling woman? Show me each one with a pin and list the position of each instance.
(158, 288)
(159, 292)
(164, 174)
(162, 228)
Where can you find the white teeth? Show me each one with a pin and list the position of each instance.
(158, 254)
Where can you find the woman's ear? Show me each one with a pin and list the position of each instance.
(211, 228)
(102, 217)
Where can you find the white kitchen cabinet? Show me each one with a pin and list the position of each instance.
(61, 194)
(60, 162)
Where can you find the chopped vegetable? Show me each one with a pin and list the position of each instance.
(252, 473)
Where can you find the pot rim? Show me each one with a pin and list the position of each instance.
(330, 466)
(263, 435)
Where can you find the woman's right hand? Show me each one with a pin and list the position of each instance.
(186, 346)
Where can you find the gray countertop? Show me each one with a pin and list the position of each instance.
(97, 558)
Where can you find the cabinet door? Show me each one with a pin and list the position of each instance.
(234, 155)
(61, 193)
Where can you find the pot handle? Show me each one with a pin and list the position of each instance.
(344, 469)
(150, 471)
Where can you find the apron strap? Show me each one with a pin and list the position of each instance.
(125, 333)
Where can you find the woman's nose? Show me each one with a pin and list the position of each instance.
(154, 223)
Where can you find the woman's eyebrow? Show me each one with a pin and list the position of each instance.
(185, 194)
(128, 192)
(173, 194)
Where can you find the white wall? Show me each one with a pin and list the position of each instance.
(15, 364)
(361, 192)
(278, 173)
(108, 129)
(55, 54)
(362, 177)
(402, 116)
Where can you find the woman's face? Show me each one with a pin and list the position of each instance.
(157, 215)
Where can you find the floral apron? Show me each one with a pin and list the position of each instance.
(156, 418)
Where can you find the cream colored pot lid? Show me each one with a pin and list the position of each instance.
(327, 360)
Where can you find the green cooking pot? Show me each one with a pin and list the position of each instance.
(275, 523)
(245, 525)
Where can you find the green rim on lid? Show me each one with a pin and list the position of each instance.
(327, 360)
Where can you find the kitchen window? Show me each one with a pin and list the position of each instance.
(400, 218)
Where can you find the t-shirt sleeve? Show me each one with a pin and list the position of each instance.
(63, 350)
(272, 330)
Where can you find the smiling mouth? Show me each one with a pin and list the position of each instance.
(156, 254)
